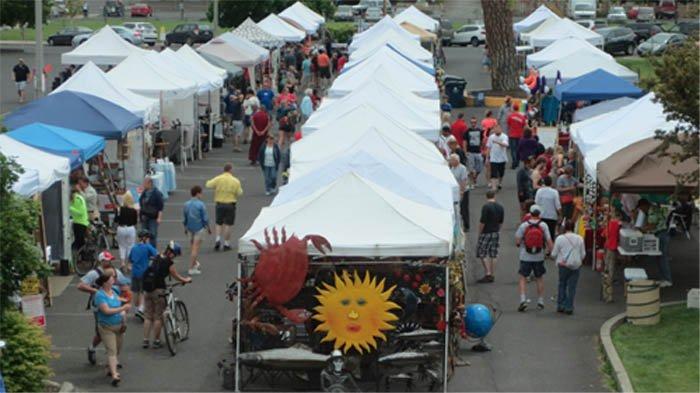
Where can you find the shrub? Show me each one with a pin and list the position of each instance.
(341, 31)
(25, 359)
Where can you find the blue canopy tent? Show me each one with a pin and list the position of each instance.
(596, 86)
(77, 111)
(77, 146)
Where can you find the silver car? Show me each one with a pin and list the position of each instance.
(373, 14)
(145, 30)
(123, 32)
(344, 12)
(660, 43)
(617, 14)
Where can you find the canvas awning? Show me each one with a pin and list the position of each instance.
(536, 18)
(596, 85)
(257, 35)
(638, 169)
(144, 75)
(418, 18)
(411, 50)
(42, 169)
(601, 108)
(106, 47)
(77, 146)
(278, 27)
(561, 49)
(385, 24)
(236, 50)
(562, 28)
(189, 55)
(206, 80)
(582, 63)
(425, 35)
(298, 13)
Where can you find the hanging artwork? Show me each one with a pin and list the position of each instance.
(355, 312)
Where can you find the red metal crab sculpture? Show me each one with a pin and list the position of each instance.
(281, 271)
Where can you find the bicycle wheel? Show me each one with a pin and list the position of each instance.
(169, 327)
(84, 260)
(183, 319)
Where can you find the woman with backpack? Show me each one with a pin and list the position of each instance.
(569, 251)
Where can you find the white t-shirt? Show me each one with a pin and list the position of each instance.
(460, 174)
(548, 199)
(269, 159)
(497, 153)
(641, 219)
(569, 250)
(249, 105)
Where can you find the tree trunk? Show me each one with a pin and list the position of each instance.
(498, 20)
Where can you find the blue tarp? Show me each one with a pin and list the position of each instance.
(596, 85)
(77, 111)
(77, 146)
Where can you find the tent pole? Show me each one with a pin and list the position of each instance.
(211, 125)
(251, 76)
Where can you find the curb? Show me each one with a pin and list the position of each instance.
(619, 372)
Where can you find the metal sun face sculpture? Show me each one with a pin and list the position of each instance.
(354, 312)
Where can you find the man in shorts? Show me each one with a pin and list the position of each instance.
(532, 255)
(497, 146)
(472, 145)
(227, 190)
(20, 74)
(139, 256)
(235, 109)
(489, 228)
(324, 67)
(196, 223)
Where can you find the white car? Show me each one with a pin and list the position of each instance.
(145, 30)
(373, 14)
(617, 14)
(469, 34)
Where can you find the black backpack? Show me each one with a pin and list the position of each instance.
(151, 275)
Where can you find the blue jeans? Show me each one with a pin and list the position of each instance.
(151, 225)
(664, 266)
(270, 174)
(568, 279)
(513, 144)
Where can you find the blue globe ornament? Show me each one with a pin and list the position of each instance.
(478, 320)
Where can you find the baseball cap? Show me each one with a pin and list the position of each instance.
(535, 209)
(105, 256)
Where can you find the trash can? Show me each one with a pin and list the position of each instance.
(454, 88)
(643, 304)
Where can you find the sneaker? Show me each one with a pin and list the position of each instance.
(92, 358)
(146, 344)
(227, 247)
(540, 306)
(522, 307)
(139, 314)
(267, 193)
(665, 284)
(157, 344)
(483, 280)
(194, 272)
(217, 245)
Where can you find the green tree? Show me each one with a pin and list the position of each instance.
(677, 87)
(19, 257)
(233, 12)
(19, 12)
(498, 21)
(25, 359)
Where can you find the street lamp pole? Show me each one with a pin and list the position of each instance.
(39, 47)
(216, 16)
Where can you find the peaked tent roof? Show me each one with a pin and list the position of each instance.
(307, 12)
(425, 35)
(401, 178)
(596, 85)
(563, 28)
(189, 55)
(582, 63)
(278, 27)
(42, 169)
(601, 108)
(205, 80)
(562, 48)
(77, 146)
(257, 35)
(236, 50)
(384, 24)
(400, 226)
(407, 48)
(231, 69)
(106, 47)
(300, 17)
(77, 111)
(533, 20)
(90, 79)
(143, 74)
(418, 18)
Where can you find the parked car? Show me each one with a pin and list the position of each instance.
(643, 30)
(113, 8)
(660, 43)
(688, 28)
(364, 5)
(469, 34)
(58, 8)
(616, 14)
(344, 12)
(582, 9)
(618, 40)
(147, 32)
(123, 32)
(666, 9)
(189, 33)
(373, 14)
(446, 31)
(645, 14)
(587, 23)
(65, 36)
(141, 9)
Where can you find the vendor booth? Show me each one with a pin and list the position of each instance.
(238, 51)
(385, 24)
(417, 17)
(304, 17)
(278, 27)
(562, 48)
(536, 18)
(427, 39)
(548, 33)
(582, 63)
(77, 146)
(407, 48)
(105, 47)
(601, 108)
(257, 35)
(403, 74)
(597, 85)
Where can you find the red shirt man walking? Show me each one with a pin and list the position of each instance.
(516, 124)
(459, 127)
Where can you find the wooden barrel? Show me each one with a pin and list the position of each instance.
(643, 302)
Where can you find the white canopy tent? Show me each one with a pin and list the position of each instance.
(301, 9)
(359, 218)
(582, 63)
(417, 17)
(205, 81)
(561, 49)
(235, 50)
(533, 20)
(601, 108)
(190, 56)
(385, 24)
(278, 27)
(399, 43)
(257, 35)
(91, 79)
(601, 136)
(42, 169)
(420, 115)
(299, 16)
(544, 25)
(401, 178)
(562, 28)
(389, 66)
(104, 48)
(142, 75)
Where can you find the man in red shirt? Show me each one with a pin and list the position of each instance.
(324, 67)
(261, 125)
(516, 124)
(459, 127)
(341, 63)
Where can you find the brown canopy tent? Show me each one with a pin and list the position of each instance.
(637, 168)
(425, 36)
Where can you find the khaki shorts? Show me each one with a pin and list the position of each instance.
(198, 236)
(155, 305)
(112, 338)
